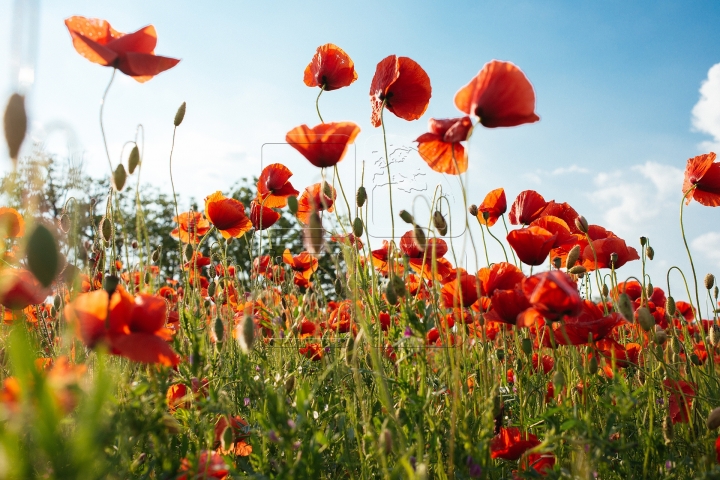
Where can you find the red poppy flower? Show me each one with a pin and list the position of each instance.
(341, 319)
(506, 305)
(563, 238)
(562, 211)
(12, 224)
(702, 179)
(19, 288)
(625, 355)
(591, 321)
(441, 148)
(313, 351)
(499, 276)
(604, 248)
(198, 260)
(429, 262)
(315, 198)
(274, 186)
(553, 294)
(542, 463)
(331, 68)
(546, 363)
(681, 398)
(495, 204)
(500, 95)
(262, 217)
(228, 215)
(528, 206)
(461, 291)
(380, 259)
(349, 239)
(304, 263)
(132, 53)
(717, 449)
(403, 86)
(209, 465)
(510, 443)
(191, 226)
(532, 244)
(323, 145)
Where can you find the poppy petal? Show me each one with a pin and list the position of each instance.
(144, 66)
(442, 156)
(145, 348)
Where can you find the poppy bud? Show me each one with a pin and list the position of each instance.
(289, 384)
(148, 278)
(578, 270)
(605, 290)
(593, 366)
(526, 346)
(188, 252)
(180, 115)
(613, 259)
(625, 306)
(649, 253)
(557, 262)
(558, 380)
(211, 289)
(573, 256)
(64, 223)
(173, 426)
(695, 359)
(406, 217)
(440, 223)
(473, 210)
(155, 257)
(390, 293)
(292, 204)
(133, 159)
(500, 354)
(667, 429)
(43, 259)
(716, 291)
(119, 177)
(709, 281)
(361, 196)
(57, 301)
(110, 284)
(106, 229)
(386, 441)
(358, 227)
(419, 237)
(313, 235)
(645, 319)
(582, 224)
(715, 336)
(676, 346)
(660, 336)
(247, 334)
(670, 306)
(713, 420)
(219, 328)
(15, 120)
(643, 241)
(134, 244)
(349, 349)
(337, 284)
(398, 285)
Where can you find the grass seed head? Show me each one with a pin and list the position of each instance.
(709, 281)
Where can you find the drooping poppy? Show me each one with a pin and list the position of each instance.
(132, 53)
(304, 263)
(604, 249)
(702, 180)
(323, 145)
(441, 148)
(461, 291)
(590, 322)
(12, 224)
(681, 395)
(330, 68)
(528, 206)
(401, 86)
(495, 205)
(532, 244)
(315, 198)
(500, 96)
(511, 443)
(262, 217)
(553, 294)
(191, 226)
(209, 465)
(274, 186)
(228, 215)
(19, 288)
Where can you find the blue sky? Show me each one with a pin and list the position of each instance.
(616, 85)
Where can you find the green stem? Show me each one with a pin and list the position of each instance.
(387, 166)
(102, 128)
(317, 104)
(687, 248)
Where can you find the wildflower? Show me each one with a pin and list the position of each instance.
(510, 443)
(315, 198)
(330, 68)
(313, 351)
(304, 263)
(12, 224)
(681, 398)
(532, 244)
(441, 148)
(401, 86)
(430, 263)
(493, 206)
(132, 53)
(323, 145)
(541, 463)
(591, 320)
(553, 294)
(228, 215)
(604, 250)
(19, 288)
(506, 305)
(274, 186)
(462, 291)
(239, 429)
(499, 276)
(210, 465)
(528, 206)
(262, 217)
(191, 226)
(702, 180)
(500, 96)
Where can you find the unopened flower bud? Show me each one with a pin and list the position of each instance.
(713, 420)
(643, 241)
(406, 217)
(390, 293)
(155, 257)
(134, 244)
(605, 290)
(709, 281)
(667, 429)
(180, 115)
(15, 120)
(670, 306)
(660, 336)
(625, 306)
(247, 334)
(219, 328)
(526, 346)
(695, 359)
(64, 223)
(398, 285)
(593, 366)
(106, 229)
(110, 284)
(650, 253)
(292, 202)
(645, 319)
(440, 223)
(419, 237)
(649, 289)
(578, 270)
(714, 336)
(473, 210)
(358, 227)
(573, 256)
(289, 384)
(361, 196)
(133, 159)
(582, 224)
(613, 258)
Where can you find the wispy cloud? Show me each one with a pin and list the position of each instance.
(706, 113)
(707, 244)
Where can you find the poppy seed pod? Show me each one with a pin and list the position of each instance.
(613, 258)
(582, 224)
(713, 420)
(473, 210)
(406, 217)
(709, 281)
(133, 159)
(180, 115)
(358, 227)
(247, 334)
(670, 306)
(292, 202)
(578, 270)
(526, 346)
(573, 256)
(119, 177)
(624, 306)
(440, 223)
(15, 120)
(390, 293)
(211, 289)
(399, 286)
(649, 290)
(645, 319)
(155, 257)
(219, 328)
(650, 253)
(361, 196)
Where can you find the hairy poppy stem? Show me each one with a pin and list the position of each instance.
(498, 241)
(317, 104)
(387, 167)
(102, 128)
(698, 316)
(507, 232)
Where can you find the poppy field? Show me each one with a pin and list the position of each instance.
(268, 332)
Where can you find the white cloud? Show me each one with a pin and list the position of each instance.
(706, 112)
(570, 169)
(708, 244)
